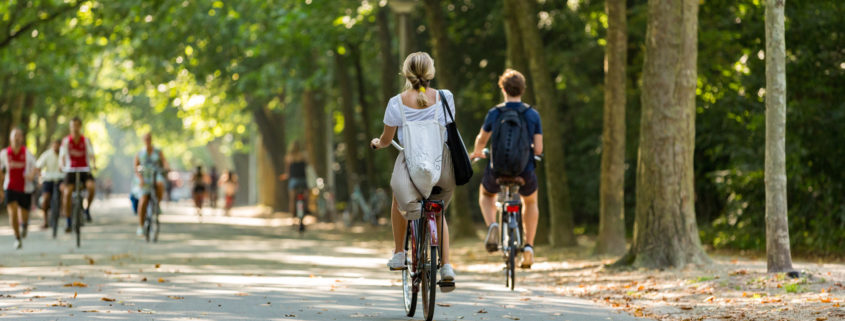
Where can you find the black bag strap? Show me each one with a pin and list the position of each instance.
(446, 109)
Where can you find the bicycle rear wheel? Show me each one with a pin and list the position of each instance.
(428, 274)
(511, 264)
(408, 292)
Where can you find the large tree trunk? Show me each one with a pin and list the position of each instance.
(778, 256)
(389, 67)
(516, 50)
(665, 231)
(350, 126)
(460, 217)
(364, 137)
(271, 126)
(315, 132)
(611, 238)
(561, 221)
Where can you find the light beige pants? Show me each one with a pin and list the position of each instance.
(406, 195)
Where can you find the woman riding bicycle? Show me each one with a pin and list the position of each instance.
(297, 165)
(420, 102)
(199, 189)
(149, 156)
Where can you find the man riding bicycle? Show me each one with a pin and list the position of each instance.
(512, 84)
(76, 156)
(51, 177)
(149, 156)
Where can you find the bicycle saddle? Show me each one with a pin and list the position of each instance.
(436, 190)
(516, 180)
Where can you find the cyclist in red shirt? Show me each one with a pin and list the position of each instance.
(18, 175)
(77, 154)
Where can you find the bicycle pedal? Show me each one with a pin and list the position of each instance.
(446, 284)
(398, 269)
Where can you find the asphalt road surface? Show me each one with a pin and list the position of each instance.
(242, 267)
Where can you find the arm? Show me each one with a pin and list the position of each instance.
(63, 154)
(480, 141)
(164, 165)
(92, 160)
(137, 163)
(538, 144)
(284, 176)
(386, 137)
(32, 170)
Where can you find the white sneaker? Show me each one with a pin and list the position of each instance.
(18, 244)
(447, 274)
(139, 231)
(397, 262)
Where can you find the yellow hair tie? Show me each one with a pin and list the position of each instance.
(422, 89)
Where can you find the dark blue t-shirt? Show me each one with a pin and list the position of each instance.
(532, 120)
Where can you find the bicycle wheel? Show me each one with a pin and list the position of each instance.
(428, 274)
(408, 292)
(77, 221)
(54, 213)
(511, 265)
(155, 226)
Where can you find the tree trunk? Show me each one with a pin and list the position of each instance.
(271, 126)
(390, 67)
(515, 49)
(561, 221)
(369, 160)
(665, 231)
(778, 255)
(611, 238)
(460, 223)
(315, 132)
(350, 126)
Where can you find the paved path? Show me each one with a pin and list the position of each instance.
(228, 268)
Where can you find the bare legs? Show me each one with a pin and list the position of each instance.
(400, 225)
(530, 212)
(145, 200)
(14, 215)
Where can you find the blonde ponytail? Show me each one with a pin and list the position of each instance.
(418, 70)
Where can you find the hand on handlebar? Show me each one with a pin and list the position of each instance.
(375, 143)
(477, 155)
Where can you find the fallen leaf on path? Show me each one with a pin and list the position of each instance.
(510, 317)
(290, 315)
(74, 294)
(525, 299)
(685, 307)
(821, 318)
(709, 299)
(76, 284)
(445, 305)
(107, 299)
(825, 300)
(11, 285)
(158, 266)
(90, 311)
(482, 311)
(175, 297)
(836, 305)
(161, 280)
(90, 260)
(241, 294)
(144, 279)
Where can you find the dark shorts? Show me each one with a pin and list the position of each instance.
(489, 182)
(199, 189)
(70, 178)
(295, 183)
(24, 200)
(48, 186)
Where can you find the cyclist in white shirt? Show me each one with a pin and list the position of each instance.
(51, 176)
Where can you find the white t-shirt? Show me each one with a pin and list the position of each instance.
(393, 115)
(29, 185)
(49, 165)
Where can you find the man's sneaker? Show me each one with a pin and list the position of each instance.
(397, 262)
(139, 231)
(492, 241)
(447, 278)
(527, 257)
(18, 244)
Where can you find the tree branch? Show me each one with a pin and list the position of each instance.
(12, 35)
